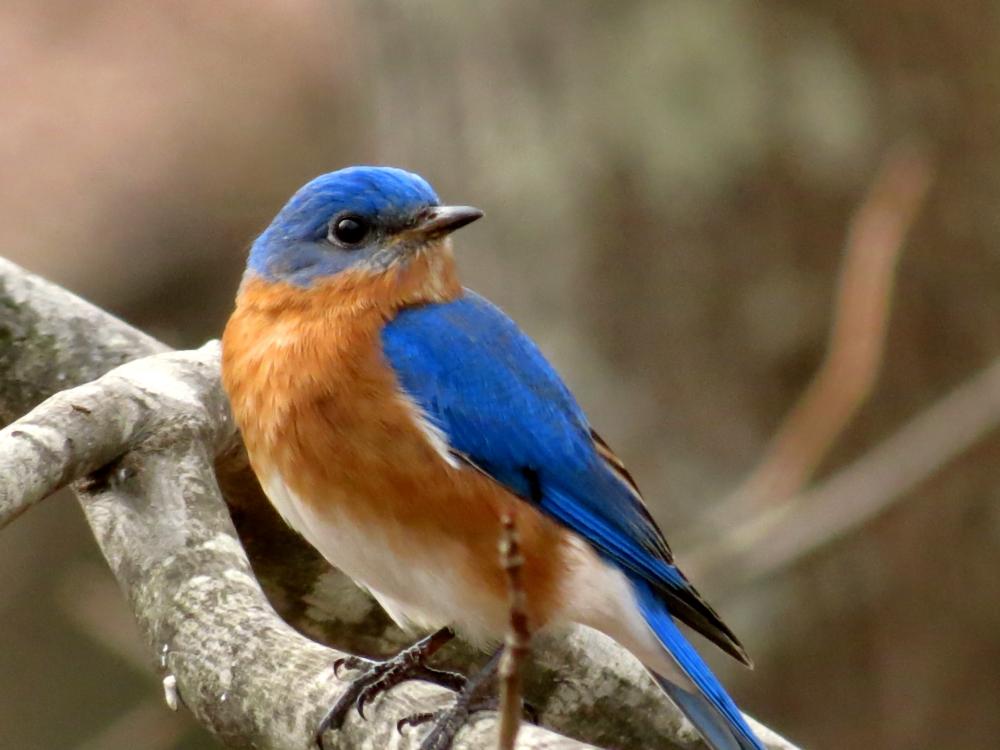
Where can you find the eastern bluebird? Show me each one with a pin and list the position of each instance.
(394, 418)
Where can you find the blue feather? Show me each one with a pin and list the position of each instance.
(711, 709)
(490, 389)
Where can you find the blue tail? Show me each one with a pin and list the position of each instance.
(711, 710)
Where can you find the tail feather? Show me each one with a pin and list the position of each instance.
(710, 709)
(705, 717)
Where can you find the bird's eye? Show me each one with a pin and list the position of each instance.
(349, 230)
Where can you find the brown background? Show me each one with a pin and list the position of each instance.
(667, 186)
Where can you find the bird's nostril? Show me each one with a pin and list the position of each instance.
(420, 217)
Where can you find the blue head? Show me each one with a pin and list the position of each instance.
(369, 217)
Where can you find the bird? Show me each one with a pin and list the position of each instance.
(396, 419)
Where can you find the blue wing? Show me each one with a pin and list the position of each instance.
(505, 410)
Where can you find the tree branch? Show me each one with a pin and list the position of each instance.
(159, 518)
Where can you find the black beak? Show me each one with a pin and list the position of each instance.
(441, 220)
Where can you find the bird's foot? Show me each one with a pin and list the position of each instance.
(379, 676)
(475, 696)
(448, 721)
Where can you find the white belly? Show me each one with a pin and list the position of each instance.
(423, 590)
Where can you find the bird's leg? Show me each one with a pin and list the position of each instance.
(474, 696)
(379, 676)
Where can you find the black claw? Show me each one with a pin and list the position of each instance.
(337, 666)
(370, 693)
(415, 720)
(350, 663)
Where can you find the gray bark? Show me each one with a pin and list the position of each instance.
(146, 437)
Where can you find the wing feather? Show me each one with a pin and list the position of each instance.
(506, 412)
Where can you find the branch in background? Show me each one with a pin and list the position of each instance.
(162, 525)
(52, 340)
(144, 725)
(518, 641)
(782, 536)
(857, 337)
(93, 602)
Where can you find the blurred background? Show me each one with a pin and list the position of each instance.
(668, 187)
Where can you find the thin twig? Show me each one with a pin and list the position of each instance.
(517, 645)
(857, 336)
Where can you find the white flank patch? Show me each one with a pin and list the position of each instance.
(598, 595)
(430, 430)
(287, 505)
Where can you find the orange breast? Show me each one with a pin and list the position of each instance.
(317, 402)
